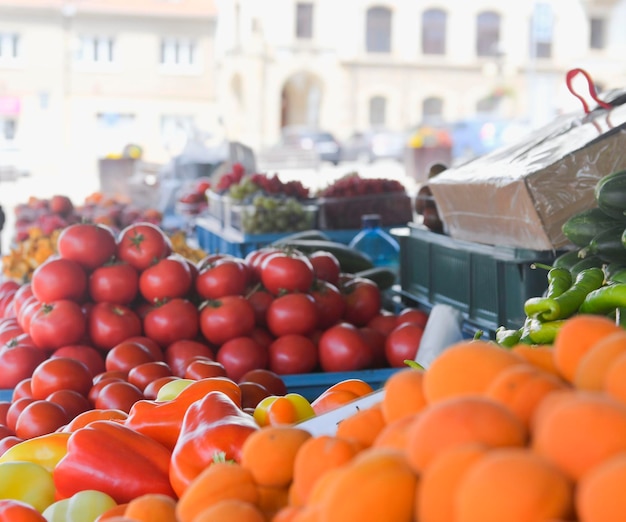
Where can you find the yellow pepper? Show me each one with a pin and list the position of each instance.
(282, 409)
(28, 482)
(83, 506)
(45, 450)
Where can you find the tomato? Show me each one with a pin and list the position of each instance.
(6, 305)
(118, 395)
(384, 322)
(262, 336)
(329, 302)
(4, 407)
(95, 390)
(8, 286)
(60, 373)
(56, 324)
(141, 244)
(240, 355)
(292, 354)
(202, 367)
(27, 310)
(363, 301)
(143, 374)
(88, 355)
(126, 355)
(22, 389)
(325, 266)
(57, 278)
(283, 272)
(255, 259)
(39, 418)
(260, 300)
(178, 354)
(226, 276)
(17, 407)
(9, 333)
(110, 324)
(168, 278)
(270, 380)
(89, 245)
(251, 394)
(5, 444)
(292, 314)
(403, 343)
(376, 341)
(18, 360)
(172, 321)
(151, 391)
(210, 259)
(114, 283)
(226, 318)
(151, 345)
(21, 295)
(343, 349)
(72, 402)
(413, 315)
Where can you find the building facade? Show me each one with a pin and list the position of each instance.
(351, 65)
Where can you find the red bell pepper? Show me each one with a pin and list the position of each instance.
(213, 427)
(162, 421)
(111, 458)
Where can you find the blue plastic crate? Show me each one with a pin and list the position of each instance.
(6, 395)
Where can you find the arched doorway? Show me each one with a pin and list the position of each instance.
(301, 98)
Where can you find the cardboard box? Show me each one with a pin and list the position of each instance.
(521, 195)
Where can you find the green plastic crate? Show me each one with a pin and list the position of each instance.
(488, 284)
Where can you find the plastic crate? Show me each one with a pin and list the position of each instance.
(311, 385)
(394, 208)
(246, 218)
(488, 284)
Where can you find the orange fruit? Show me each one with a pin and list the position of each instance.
(404, 394)
(595, 363)
(600, 492)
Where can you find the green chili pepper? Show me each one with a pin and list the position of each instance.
(508, 337)
(559, 280)
(566, 304)
(544, 332)
(604, 300)
(618, 277)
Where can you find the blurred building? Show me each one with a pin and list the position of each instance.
(354, 64)
(80, 79)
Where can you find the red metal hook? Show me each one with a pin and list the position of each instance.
(571, 74)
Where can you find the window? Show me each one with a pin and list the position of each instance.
(541, 31)
(95, 49)
(378, 109)
(378, 30)
(597, 34)
(434, 32)
(432, 110)
(304, 20)
(487, 33)
(178, 52)
(9, 46)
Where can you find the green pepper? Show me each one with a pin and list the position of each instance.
(618, 276)
(566, 304)
(559, 281)
(544, 332)
(605, 299)
(508, 337)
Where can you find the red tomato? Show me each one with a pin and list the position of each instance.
(17, 407)
(172, 321)
(178, 354)
(89, 245)
(57, 278)
(6, 305)
(56, 324)
(262, 336)
(60, 373)
(110, 324)
(260, 300)
(292, 354)
(151, 345)
(10, 333)
(384, 322)
(403, 343)
(40, 417)
(27, 310)
(363, 301)
(292, 314)
(114, 283)
(329, 302)
(4, 407)
(22, 389)
(255, 259)
(168, 278)
(240, 355)
(226, 318)
(226, 276)
(343, 349)
(72, 402)
(143, 374)
(376, 341)
(251, 394)
(282, 272)
(413, 315)
(101, 383)
(325, 266)
(270, 380)
(88, 355)
(21, 295)
(126, 355)
(140, 244)
(8, 287)
(210, 259)
(5, 444)
(202, 367)
(118, 395)
(18, 360)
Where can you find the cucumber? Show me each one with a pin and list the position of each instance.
(608, 245)
(610, 194)
(567, 259)
(351, 260)
(581, 228)
(382, 276)
(305, 234)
